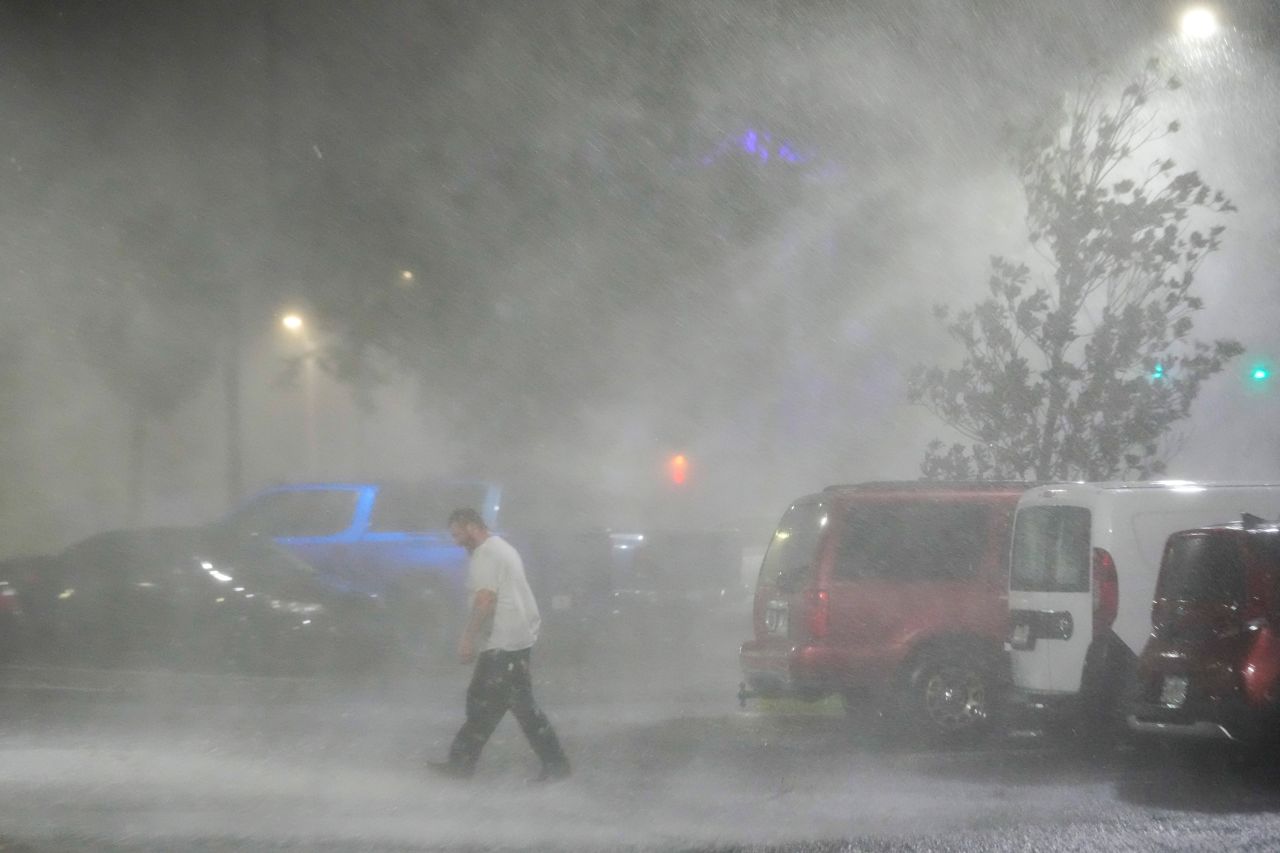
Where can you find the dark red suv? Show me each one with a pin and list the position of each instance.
(894, 593)
(1211, 668)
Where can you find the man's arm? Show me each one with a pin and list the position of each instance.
(479, 624)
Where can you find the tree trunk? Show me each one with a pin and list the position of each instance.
(1045, 462)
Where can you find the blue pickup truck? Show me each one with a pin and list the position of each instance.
(389, 541)
(383, 549)
(369, 537)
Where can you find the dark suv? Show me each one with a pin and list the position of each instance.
(893, 593)
(1211, 668)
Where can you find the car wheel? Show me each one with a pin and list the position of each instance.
(950, 696)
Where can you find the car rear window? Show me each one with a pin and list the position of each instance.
(1202, 568)
(1051, 549)
(912, 541)
(789, 559)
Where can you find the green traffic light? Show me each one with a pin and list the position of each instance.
(1158, 372)
(1260, 374)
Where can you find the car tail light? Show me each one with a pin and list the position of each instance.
(1106, 591)
(818, 609)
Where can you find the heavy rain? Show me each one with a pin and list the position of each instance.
(284, 285)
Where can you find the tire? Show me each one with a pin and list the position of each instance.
(950, 696)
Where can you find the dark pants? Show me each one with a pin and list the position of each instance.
(501, 683)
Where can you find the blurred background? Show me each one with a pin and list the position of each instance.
(653, 264)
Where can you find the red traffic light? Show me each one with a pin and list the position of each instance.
(678, 469)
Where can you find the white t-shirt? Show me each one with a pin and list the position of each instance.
(496, 566)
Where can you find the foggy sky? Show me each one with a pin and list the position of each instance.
(594, 286)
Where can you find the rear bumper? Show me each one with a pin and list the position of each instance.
(1202, 730)
(1214, 701)
(771, 670)
(1225, 720)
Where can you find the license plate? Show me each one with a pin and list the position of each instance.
(1173, 692)
(1021, 637)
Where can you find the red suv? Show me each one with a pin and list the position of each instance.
(1211, 668)
(890, 592)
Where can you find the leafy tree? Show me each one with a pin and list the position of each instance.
(1079, 368)
(561, 259)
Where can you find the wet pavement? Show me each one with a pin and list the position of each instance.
(663, 759)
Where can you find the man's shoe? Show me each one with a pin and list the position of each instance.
(550, 774)
(449, 770)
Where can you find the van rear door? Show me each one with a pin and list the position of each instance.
(1050, 599)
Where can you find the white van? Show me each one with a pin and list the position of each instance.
(1085, 558)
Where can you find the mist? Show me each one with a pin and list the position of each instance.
(550, 245)
(534, 169)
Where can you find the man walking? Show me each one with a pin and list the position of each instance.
(499, 636)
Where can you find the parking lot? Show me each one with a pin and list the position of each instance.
(151, 761)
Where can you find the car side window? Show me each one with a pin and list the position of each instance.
(866, 541)
(403, 510)
(912, 541)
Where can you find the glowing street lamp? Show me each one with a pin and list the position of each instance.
(1199, 23)
(293, 323)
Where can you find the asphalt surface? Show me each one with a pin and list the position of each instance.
(663, 759)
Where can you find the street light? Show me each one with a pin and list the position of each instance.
(1199, 23)
(293, 323)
